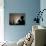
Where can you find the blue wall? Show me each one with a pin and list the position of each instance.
(29, 7)
(43, 6)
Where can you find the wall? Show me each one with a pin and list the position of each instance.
(1, 21)
(43, 6)
(29, 7)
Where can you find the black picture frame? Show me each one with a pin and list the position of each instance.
(16, 18)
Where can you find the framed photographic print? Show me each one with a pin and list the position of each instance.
(17, 18)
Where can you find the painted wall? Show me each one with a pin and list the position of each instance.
(1, 21)
(29, 7)
(43, 6)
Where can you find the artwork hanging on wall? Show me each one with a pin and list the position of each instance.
(17, 18)
(40, 16)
